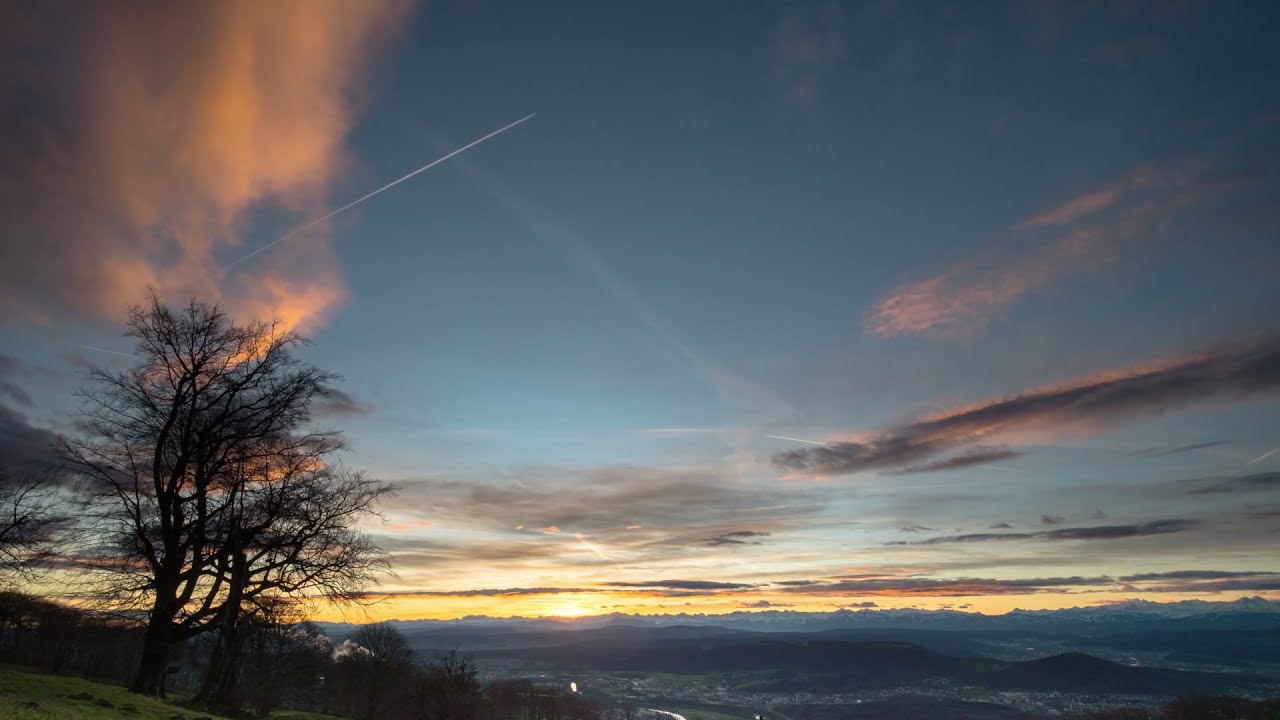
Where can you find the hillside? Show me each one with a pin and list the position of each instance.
(1077, 672)
(38, 696)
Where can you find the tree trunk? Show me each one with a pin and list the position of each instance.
(154, 666)
(220, 683)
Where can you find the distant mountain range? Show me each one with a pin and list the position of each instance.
(1245, 613)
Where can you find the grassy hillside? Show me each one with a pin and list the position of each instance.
(37, 696)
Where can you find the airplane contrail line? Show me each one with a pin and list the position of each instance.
(307, 226)
(593, 548)
(104, 350)
(799, 440)
(1264, 456)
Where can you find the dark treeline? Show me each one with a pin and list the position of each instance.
(55, 638)
(286, 665)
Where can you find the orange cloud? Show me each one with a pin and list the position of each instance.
(160, 133)
(1088, 230)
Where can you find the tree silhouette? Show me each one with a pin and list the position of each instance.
(292, 535)
(29, 522)
(187, 459)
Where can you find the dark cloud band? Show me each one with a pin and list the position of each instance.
(1227, 374)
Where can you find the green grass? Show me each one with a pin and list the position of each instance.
(35, 696)
(38, 696)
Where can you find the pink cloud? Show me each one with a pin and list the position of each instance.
(1085, 231)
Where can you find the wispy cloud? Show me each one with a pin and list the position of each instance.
(737, 537)
(1178, 449)
(334, 402)
(808, 44)
(604, 502)
(1072, 236)
(969, 458)
(140, 155)
(1195, 575)
(1094, 201)
(24, 446)
(944, 587)
(1097, 532)
(683, 585)
(1229, 373)
(634, 516)
(10, 372)
(747, 405)
(482, 592)
(1206, 581)
(1236, 484)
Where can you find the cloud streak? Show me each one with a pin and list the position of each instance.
(808, 45)
(1097, 532)
(1226, 374)
(942, 587)
(737, 537)
(10, 368)
(23, 446)
(1237, 484)
(339, 403)
(1206, 581)
(634, 516)
(1075, 235)
(1178, 449)
(969, 458)
(683, 585)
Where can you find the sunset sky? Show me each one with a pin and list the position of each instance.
(793, 305)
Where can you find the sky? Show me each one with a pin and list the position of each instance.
(771, 305)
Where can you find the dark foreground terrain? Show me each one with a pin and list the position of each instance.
(829, 666)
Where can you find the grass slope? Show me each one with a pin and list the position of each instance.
(37, 696)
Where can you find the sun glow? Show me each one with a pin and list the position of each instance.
(571, 609)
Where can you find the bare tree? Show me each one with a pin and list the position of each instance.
(30, 520)
(374, 673)
(448, 690)
(285, 659)
(292, 536)
(161, 453)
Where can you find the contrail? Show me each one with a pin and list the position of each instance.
(784, 437)
(590, 546)
(1263, 456)
(104, 350)
(751, 404)
(388, 186)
